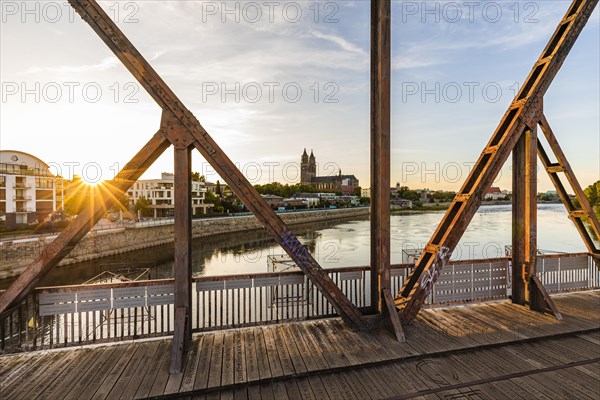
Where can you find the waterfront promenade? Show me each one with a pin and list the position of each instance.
(123, 238)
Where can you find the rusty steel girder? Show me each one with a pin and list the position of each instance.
(524, 111)
(577, 215)
(191, 131)
(109, 194)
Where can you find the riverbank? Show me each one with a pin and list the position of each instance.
(17, 254)
(437, 207)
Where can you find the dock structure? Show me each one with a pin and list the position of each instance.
(453, 330)
(495, 350)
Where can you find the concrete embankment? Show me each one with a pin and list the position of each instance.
(17, 254)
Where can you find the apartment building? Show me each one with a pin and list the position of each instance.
(160, 193)
(29, 192)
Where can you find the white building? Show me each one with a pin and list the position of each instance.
(29, 192)
(160, 193)
(496, 194)
(365, 192)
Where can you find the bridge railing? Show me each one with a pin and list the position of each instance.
(85, 314)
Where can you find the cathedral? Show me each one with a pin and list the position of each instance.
(333, 183)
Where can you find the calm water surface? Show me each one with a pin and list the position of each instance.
(337, 244)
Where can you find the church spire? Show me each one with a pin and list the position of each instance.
(304, 154)
(312, 156)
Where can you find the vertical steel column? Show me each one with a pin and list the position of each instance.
(524, 220)
(380, 151)
(183, 257)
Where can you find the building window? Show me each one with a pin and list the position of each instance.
(44, 194)
(44, 183)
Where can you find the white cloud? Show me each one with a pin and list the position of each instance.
(104, 65)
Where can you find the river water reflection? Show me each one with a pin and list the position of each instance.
(339, 243)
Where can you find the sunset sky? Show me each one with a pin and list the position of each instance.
(67, 100)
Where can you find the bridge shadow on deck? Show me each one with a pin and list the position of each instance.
(487, 351)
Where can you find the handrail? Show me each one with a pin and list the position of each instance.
(205, 278)
(74, 315)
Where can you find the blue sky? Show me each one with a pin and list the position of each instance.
(453, 78)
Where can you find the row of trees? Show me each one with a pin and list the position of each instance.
(592, 193)
(404, 192)
(287, 190)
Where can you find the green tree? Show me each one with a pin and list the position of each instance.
(277, 189)
(142, 205)
(592, 193)
(219, 209)
(196, 177)
(212, 198)
(218, 189)
(405, 193)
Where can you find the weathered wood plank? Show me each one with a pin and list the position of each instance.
(113, 375)
(284, 337)
(22, 370)
(309, 358)
(47, 377)
(149, 374)
(122, 381)
(264, 369)
(240, 371)
(162, 376)
(314, 348)
(137, 377)
(94, 372)
(272, 354)
(191, 366)
(216, 362)
(227, 377)
(98, 373)
(393, 315)
(204, 362)
(252, 369)
(68, 378)
(35, 371)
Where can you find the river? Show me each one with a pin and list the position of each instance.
(337, 244)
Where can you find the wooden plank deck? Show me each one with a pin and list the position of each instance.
(488, 351)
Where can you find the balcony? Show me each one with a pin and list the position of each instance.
(22, 185)
(23, 198)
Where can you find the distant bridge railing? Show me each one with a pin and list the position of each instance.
(87, 314)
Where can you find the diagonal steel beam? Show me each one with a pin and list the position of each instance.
(109, 194)
(576, 215)
(522, 112)
(94, 15)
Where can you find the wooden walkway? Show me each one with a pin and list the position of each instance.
(484, 351)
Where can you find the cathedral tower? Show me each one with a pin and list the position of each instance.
(312, 166)
(304, 166)
(308, 168)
